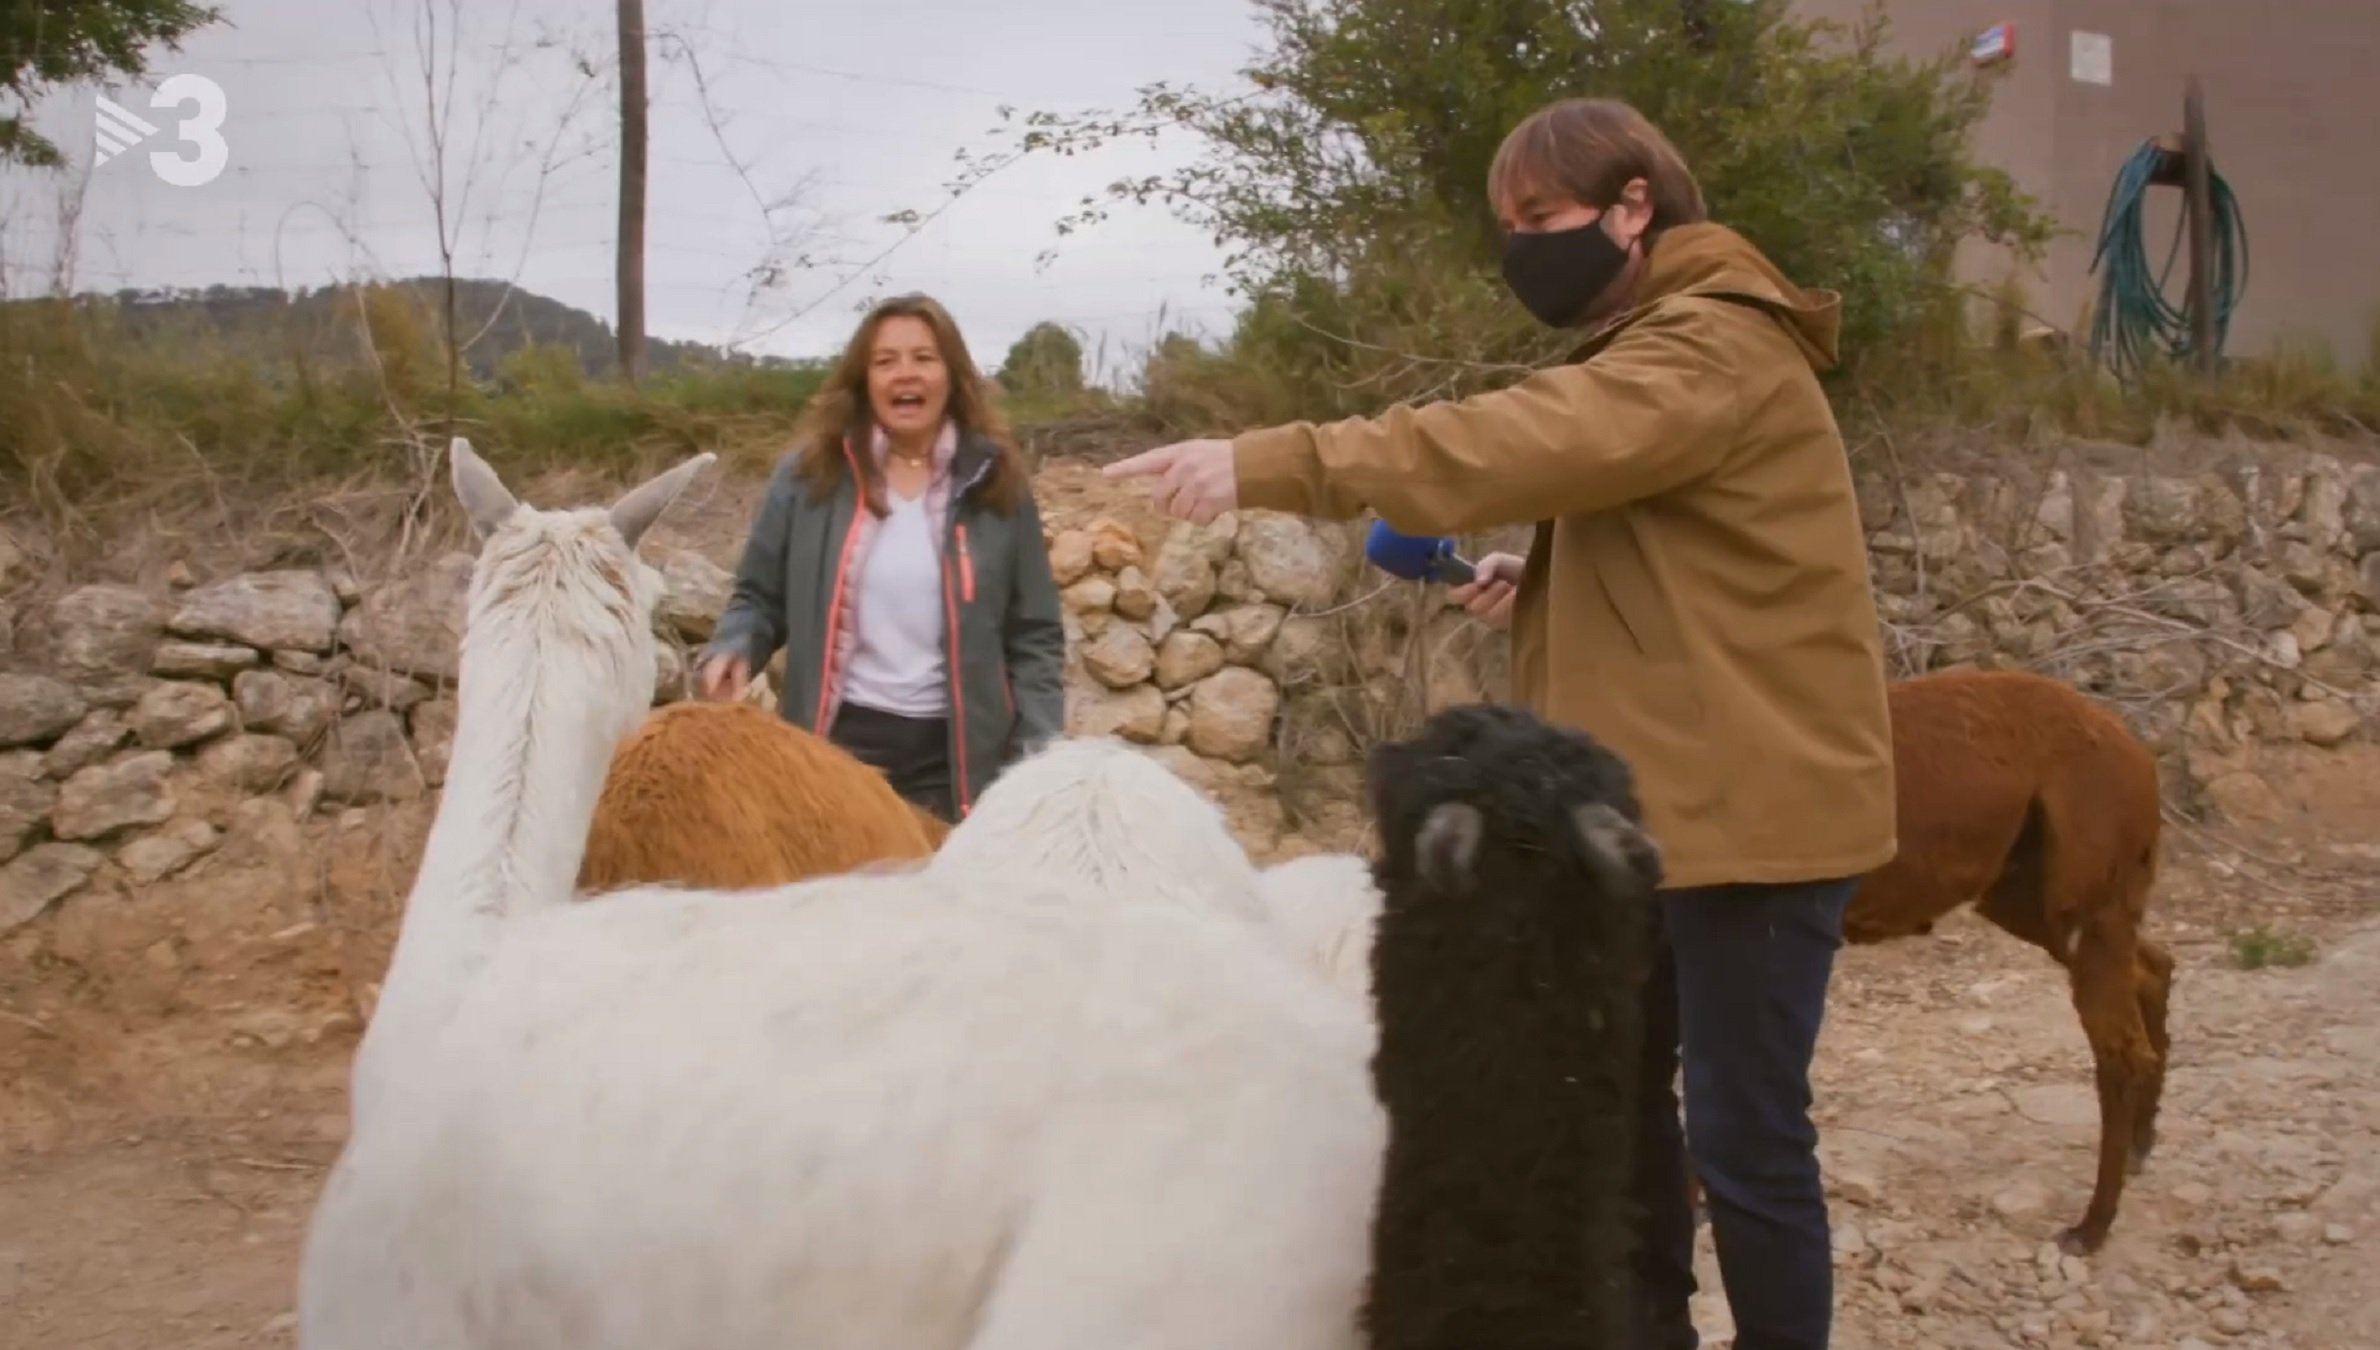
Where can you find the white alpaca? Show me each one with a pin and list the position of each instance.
(914, 1110)
(1095, 810)
(1325, 905)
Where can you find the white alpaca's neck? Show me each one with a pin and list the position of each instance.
(540, 713)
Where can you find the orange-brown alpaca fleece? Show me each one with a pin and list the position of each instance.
(729, 795)
(2023, 796)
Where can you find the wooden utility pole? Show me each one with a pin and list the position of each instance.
(2198, 208)
(632, 191)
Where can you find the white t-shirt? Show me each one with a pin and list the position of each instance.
(897, 664)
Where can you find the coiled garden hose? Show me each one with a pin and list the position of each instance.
(2133, 313)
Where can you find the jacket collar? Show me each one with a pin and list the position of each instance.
(1709, 259)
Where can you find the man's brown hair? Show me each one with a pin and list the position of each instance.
(839, 412)
(1585, 150)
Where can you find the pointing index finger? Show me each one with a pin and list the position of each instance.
(1142, 465)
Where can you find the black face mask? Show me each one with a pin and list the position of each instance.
(1556, 274)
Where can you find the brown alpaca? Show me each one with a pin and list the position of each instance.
(2021, 795)
(732, 796)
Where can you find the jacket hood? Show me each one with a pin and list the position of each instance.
(1707, 258)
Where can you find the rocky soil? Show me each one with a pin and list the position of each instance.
(1956, 1111)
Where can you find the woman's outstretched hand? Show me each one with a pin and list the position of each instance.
(1196, 480)
(1489, 597)
(722, 678)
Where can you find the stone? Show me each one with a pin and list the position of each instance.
(15, 565)
(415, 625)
(2312, 628)
(2324, 723)
(293, 608)
(1135, 597)
(104, 798)
(2161, 509)
(1304, 651)
(1177, 727)
(2267, 601)
(180, 712)
(2053, 517)
(2322, 509)
(1186, 658)
(1119, 657)
(304, 792)
(1070, 557)
(249, 761)
(296, 706)
(1184, 572)
(105, 629)
(1113, 544)
(1290, 559)
(1244, 630)
(46, 874)
(2360, 513)
(35, 709)
(1091, 595)
(2243, 798)
(432, 726)
(299, 663)
(367, 759)
(365, 687)
(694, 591)
(176, 659)
(92, 740)
(1231, 714)
(162, 852)
(25, 800)
(1232, 582)
(1136, 714)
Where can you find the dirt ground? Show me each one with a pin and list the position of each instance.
(1954, 1102)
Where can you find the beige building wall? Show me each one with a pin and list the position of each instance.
(2293, 118)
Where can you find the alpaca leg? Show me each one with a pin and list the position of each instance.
(2156, 992)
(2108, 999)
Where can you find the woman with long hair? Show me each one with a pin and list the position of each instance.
(898, 560)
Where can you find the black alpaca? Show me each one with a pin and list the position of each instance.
(1509, 955)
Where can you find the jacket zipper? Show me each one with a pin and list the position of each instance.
(950, 609)
(834, 599)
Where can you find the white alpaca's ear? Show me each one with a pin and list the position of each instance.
(643, 504)
(1448, 845)
(486, 501)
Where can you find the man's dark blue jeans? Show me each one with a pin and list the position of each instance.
(1737, 993)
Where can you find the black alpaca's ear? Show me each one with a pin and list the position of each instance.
(1447, 847)
(1622, 855)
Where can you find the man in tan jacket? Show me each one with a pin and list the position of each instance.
(1697, 597)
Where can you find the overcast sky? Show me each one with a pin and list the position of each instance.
(863, 101)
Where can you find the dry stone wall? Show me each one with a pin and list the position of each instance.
(185, 772)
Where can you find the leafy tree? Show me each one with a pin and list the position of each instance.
(1046, 363)
(46, 43)
(1350, 186)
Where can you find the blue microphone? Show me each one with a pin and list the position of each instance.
(1416, 557)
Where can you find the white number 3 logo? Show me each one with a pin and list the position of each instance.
(203, 129)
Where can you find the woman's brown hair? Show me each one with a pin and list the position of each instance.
(1585, 150)
(839, 414)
